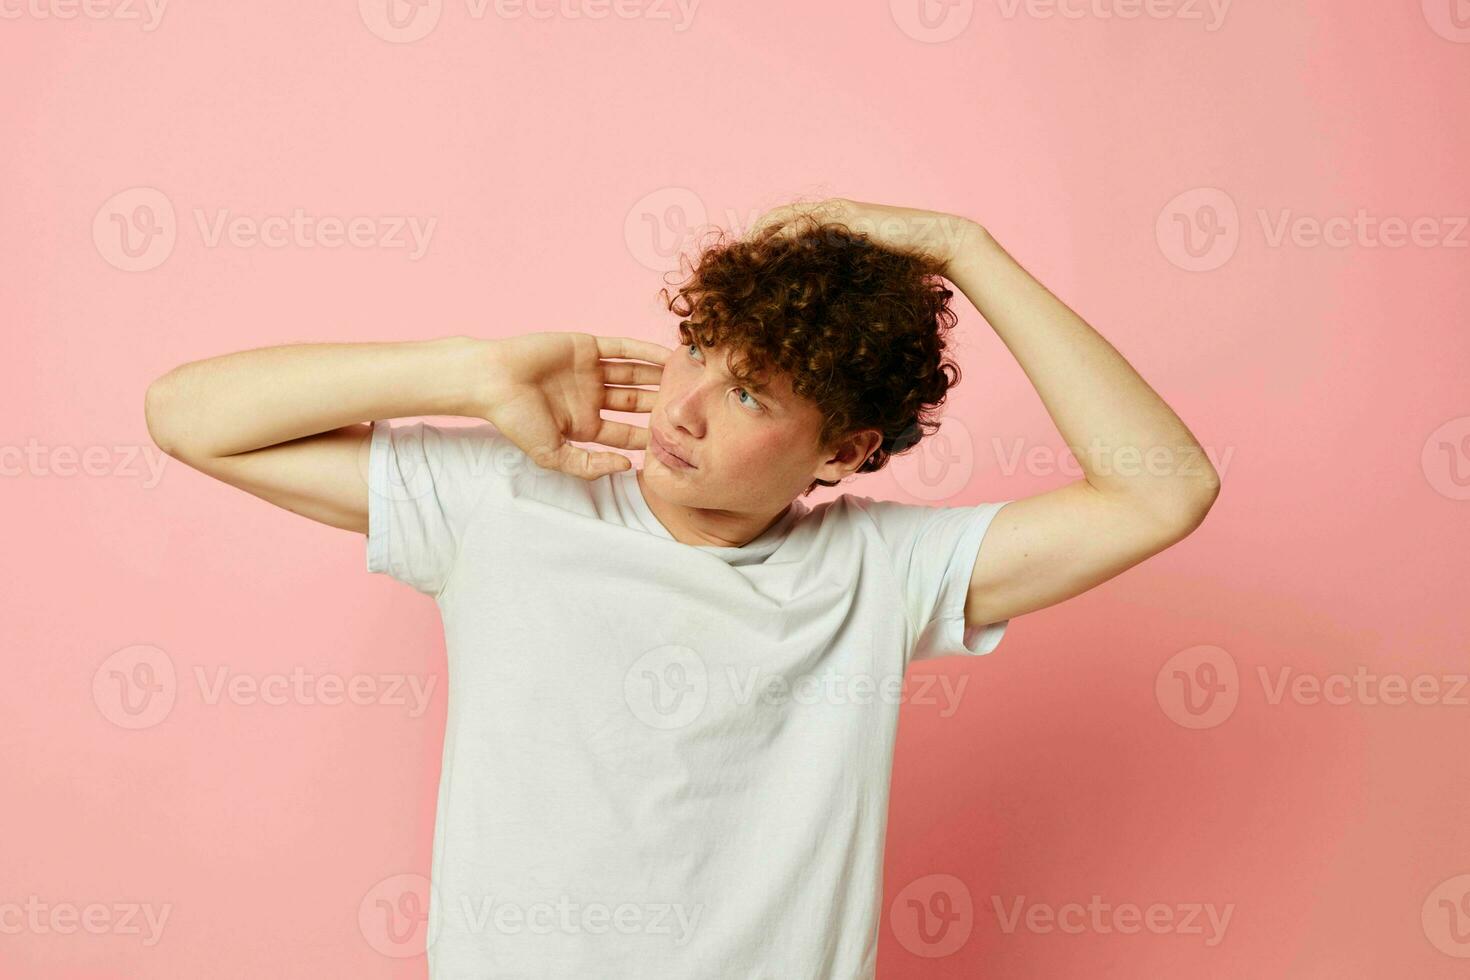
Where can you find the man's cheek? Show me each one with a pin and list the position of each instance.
(766, 455)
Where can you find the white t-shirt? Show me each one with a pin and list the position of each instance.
(661, 760)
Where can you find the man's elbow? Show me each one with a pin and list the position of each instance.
(160, 417)
(1189, 505)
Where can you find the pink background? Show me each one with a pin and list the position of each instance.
(561, 158)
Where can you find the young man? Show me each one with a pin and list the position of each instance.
(672, 692)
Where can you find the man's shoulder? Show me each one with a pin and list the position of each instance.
(849, 512)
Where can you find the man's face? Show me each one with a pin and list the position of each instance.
(753, 450)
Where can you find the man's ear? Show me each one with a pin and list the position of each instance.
(847, 454)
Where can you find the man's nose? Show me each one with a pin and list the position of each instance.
(686, 410)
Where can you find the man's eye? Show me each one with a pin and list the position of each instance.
(693, 346)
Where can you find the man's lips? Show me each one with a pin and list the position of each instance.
(668, 448)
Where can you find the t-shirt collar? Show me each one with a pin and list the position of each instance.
(760, 547)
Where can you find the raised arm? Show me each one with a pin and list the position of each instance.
(1147, 483)
(291, 424)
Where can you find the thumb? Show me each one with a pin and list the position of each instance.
(587, 465)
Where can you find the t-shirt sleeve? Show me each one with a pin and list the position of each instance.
(425, 483)
(933, 552)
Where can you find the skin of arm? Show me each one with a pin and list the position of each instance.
(1147, 482)
(286, 423)
(292, 424)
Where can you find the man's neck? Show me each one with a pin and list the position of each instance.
(717, 528)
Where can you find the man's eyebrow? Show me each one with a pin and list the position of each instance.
(756, 386)
(760, 388)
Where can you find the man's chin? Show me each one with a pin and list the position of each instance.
(666, 476)
(676, 486)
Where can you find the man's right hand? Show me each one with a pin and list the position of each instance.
(543, 390)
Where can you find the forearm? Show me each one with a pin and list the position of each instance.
(249, 399)
(1126, 439)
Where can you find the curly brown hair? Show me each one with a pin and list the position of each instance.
(859, 328)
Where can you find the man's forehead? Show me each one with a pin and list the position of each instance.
(771, 382)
